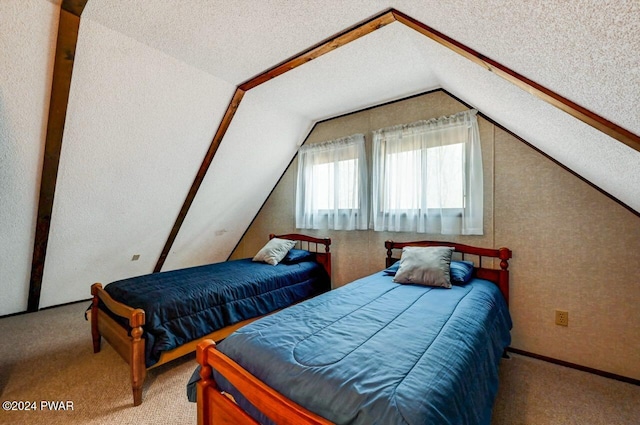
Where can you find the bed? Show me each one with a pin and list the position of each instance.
(153, 319)
(372, 351)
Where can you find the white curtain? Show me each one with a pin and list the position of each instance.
(332, 189)
(427, 177)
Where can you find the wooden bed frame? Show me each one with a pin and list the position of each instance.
(131, 344)
(498, 276)
(215, 407)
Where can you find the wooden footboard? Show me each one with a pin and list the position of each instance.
(131, 346)
(216, 408)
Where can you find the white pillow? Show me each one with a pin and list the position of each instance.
(428, 266)
(274, 251)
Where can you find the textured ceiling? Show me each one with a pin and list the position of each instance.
(584, 50)
(382, 66)
(234, 40)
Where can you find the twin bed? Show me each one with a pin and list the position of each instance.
(373, 351)
(150, 320)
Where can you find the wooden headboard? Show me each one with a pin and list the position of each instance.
(498, 276)
(321, 247)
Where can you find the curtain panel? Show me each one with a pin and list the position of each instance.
(427, 177)
(332, 185)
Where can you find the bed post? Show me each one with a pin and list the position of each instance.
(205, 381)
(95, 333)
(327, 256)
(389, 246)
(503, 280)
(138, 365)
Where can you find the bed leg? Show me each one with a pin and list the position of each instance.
(96, 340)
(95, 333)
(137, 395)
(138, 366)
(205, 382)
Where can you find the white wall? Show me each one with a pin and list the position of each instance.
(253, 155)
(27, 46)
(138, 125)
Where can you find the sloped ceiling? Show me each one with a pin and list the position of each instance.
(152, 81)
(583, 50)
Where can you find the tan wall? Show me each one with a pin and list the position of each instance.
(574, 248)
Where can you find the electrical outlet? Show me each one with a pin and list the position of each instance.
(562, 318)
(135, 257)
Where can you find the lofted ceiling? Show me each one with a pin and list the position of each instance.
(584, 51)
(152, 81)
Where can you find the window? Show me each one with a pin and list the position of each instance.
(404, 166)
(427, 177)
(335, 184)
(331, 190)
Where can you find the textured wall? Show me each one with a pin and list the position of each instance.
(27, 44)
(574, 248)
(138, 125)
(238, 181)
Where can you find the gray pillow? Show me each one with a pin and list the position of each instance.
(425, 266)
(274, 251)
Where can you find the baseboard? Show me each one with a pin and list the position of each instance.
(575, 366)
(45, 308)
(87, 300)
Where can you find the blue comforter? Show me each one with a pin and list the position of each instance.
(183, 305)
(377, 352)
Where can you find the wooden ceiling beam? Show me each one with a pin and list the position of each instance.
(204, 167)
(60, 86)
(320, 49)
(75, 7)
(594, 120)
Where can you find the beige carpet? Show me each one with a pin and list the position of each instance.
(47, 356)
(536, 392)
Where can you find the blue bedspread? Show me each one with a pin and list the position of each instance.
(377, 352)
(183, 305)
